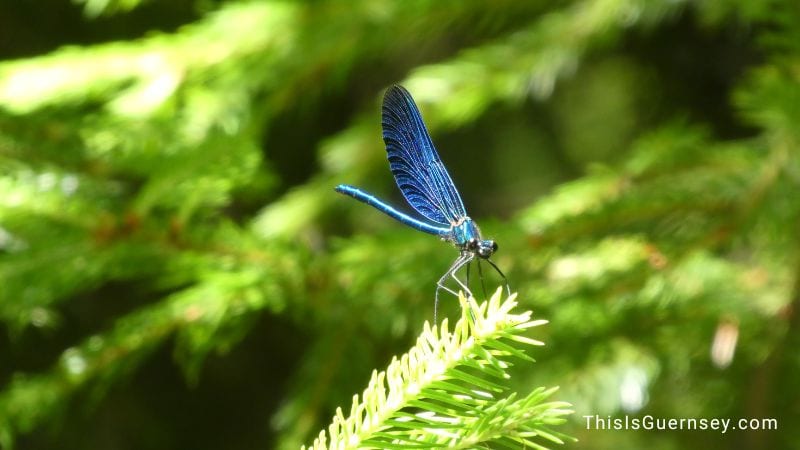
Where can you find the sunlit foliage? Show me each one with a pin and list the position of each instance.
(166, 176)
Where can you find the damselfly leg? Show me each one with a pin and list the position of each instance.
(502, 275)
(462, 260)
(480, 275)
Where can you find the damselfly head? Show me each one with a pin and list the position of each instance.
(482, 247)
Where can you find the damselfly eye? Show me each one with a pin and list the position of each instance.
(486, 248)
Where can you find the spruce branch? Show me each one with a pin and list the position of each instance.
(137, 78)
(209, 316)
(447, 391)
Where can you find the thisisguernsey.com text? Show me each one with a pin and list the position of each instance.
(595, 422)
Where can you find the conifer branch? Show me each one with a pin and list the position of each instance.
(137, 77)
(446, 391)
(211, 315)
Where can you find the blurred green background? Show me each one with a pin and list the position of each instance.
(176, 270)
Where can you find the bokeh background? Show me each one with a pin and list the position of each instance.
(176, 270)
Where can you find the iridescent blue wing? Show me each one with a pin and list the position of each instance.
(416, 166)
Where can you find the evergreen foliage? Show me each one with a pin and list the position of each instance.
(440, 379)
(166, 175)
